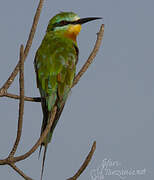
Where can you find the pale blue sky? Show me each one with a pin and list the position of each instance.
(112, 104)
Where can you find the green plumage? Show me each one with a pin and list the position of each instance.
(55, 66)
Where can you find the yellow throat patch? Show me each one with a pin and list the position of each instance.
(73, 31)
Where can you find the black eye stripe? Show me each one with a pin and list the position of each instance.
(62, 23)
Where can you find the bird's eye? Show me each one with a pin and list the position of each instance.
(62, 23)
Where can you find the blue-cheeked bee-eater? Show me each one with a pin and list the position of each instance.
(55, 66)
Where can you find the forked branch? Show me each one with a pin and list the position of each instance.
(11, 159)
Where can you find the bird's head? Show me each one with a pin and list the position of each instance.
(68, 23)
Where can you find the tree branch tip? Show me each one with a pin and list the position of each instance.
(22, 51)
(94, 144)
(21, 46)
(101, 29)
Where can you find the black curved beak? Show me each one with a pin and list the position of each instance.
(85, 20)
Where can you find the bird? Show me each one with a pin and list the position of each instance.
(55, 66)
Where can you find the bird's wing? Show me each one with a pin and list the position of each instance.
(55, 65)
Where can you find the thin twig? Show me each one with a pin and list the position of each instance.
(38, 143)
(3, 161)
(7, 84)
(92, 55)
(86, 162)
(3, 92)
(21, 103)
(20, 172)
(14, 96)
(33, 28)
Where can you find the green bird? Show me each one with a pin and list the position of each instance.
(55, 66)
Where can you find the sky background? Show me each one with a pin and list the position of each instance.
(113, 103)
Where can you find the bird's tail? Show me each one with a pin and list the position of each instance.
(46, 118)
(43, 162)
(47, 139)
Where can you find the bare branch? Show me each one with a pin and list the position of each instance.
(11, 160)
(14, 96)
(86, 162)
(40, 140)
(20, 172)
(92, 55)
(21, 104)
(7, 84)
